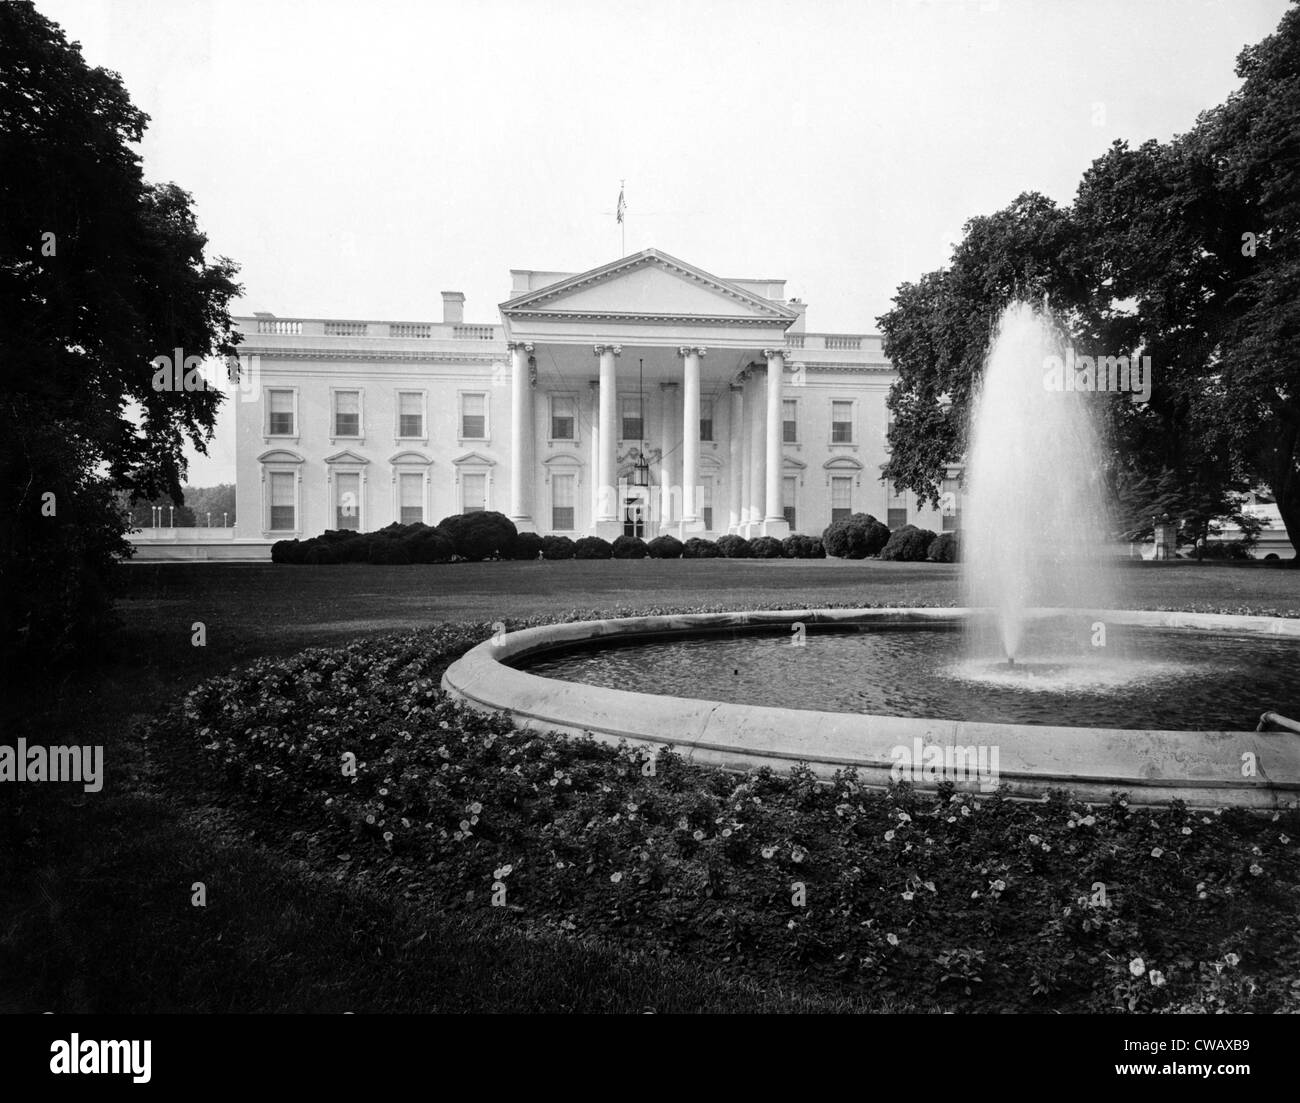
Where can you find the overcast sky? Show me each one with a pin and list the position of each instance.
(356, 159)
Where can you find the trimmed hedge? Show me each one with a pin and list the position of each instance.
(734, 547)
(765, 547)
(482, 535)
(944, 548)
(557, 547)
(798, 546)
(288, 551)
(628, 547)
(908, 545)
(855, 537)
(665, 547)
(699, 548)
(593, 547)
(525, 545)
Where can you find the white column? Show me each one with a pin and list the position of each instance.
(757, 451)
(746, 450)
(521, 435)
(774, 523)
(594, 470)
(735, 458)
(608, 506)
(690, 435)
(670, 489)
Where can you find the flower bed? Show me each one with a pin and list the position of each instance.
(945, 901)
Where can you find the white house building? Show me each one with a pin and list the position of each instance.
(645, 396)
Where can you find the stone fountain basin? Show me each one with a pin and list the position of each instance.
(1202, 768)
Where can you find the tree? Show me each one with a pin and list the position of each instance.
(1187, 252)
(100, 274)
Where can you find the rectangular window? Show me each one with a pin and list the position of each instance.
(473, 418)
(347, 501)
(347, 413)
(563, 417)
(789, 489)
(562, 493)
(474, 493)
(841, 497)
(706, 504)
(410, 414)
(282, 511)
(632, 423)
(410, 498)
(789, 422)
(896, 508)
(280, 420)
(706, 420)
(950, 505)
(841, 422)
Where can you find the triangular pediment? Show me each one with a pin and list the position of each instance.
(346, 456)
(649, 284)
(474, 459)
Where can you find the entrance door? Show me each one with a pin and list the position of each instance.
(636, 510)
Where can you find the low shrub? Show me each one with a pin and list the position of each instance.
(388, 551)
(855, 537)
(319, 552)
(734, 547)
(699, 548)
(525, 545)
(557, 547)
(943, 548)
(665, 547)
(429, 546)
(628, 547)
(593, 547)
(765, 547)
(798, 546)
(288, 551)
(1222, 549)
(482, 535)
(908, 545)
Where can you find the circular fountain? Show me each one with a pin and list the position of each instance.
(1041, 682)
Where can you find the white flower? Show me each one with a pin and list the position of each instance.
(908, 895)
(1156, 852)
(1255, 869)
(768, 851)
(889, 836)
(616, 877)
(1232, 959)
(998, 886)
(892, 939)
(1137, 966)
(1156, 977)
(1187, 830)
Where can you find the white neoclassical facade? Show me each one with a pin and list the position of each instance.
(645, 396)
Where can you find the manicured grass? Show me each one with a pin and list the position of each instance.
(97, 913)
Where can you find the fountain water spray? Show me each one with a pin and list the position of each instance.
(1034, 520)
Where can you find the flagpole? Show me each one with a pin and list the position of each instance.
(622, 222)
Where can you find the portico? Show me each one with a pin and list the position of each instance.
(684, 375)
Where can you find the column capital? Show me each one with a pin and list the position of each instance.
(594, 384)
(686, 350)
(523, 346)
(670, 385)
(771, 354)
(600, 350)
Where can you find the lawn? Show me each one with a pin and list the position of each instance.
(99, 918)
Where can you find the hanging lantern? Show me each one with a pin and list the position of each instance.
(641, 471)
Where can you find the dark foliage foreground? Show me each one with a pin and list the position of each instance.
(946, 900)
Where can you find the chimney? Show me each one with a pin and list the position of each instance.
(453, 307)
